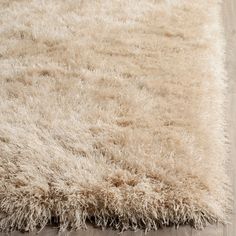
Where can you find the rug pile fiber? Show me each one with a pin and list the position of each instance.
(112, 111)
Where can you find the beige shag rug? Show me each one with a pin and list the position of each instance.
(112, 111)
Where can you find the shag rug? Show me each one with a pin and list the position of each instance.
(112, 111)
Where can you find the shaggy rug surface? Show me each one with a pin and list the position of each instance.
(112, 111)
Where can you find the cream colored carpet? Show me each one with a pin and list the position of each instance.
(112, 111)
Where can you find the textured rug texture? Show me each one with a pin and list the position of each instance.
(112, 111)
